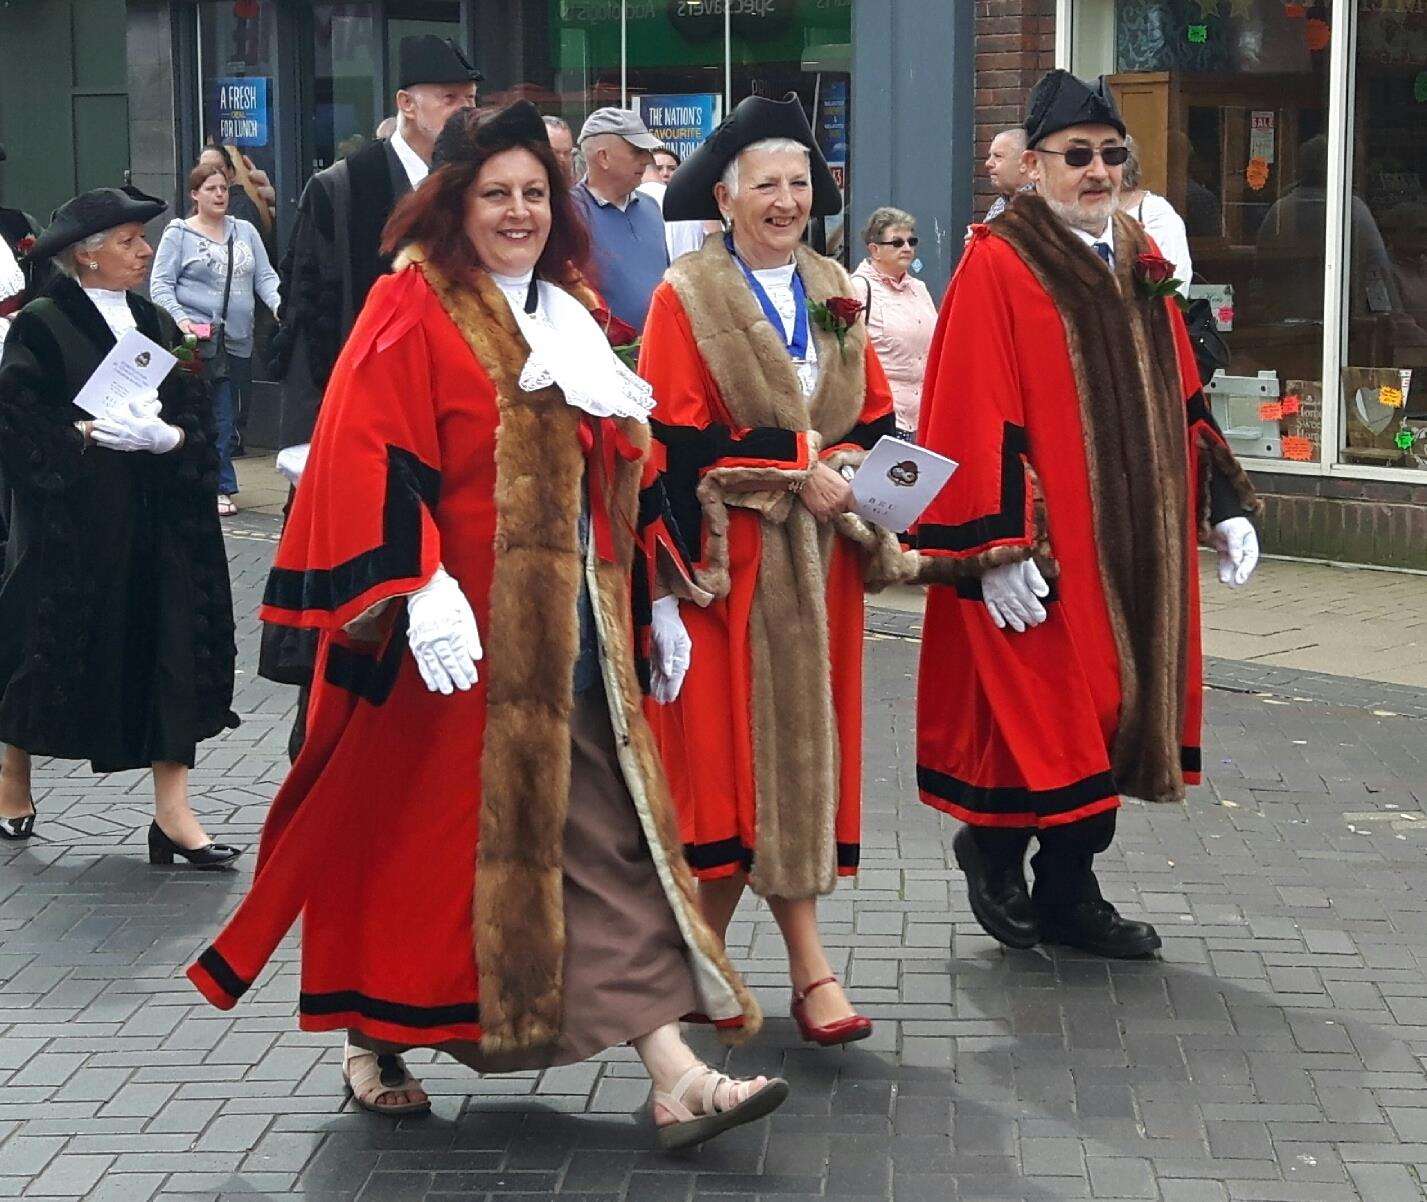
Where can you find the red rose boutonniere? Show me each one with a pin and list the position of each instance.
(836, 315)
(623, 337)
(25, 245)
(1155, 275)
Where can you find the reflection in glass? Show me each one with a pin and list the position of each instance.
(345, 75)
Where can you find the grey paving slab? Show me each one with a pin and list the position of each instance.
(1275, 1051)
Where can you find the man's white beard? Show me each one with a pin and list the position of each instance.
(1078, 217)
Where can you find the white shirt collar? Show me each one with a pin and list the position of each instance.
(621, 205)
(417, 169)
(114, 309)
(12, 279)
(1106, 235)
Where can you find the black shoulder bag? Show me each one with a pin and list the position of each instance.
(213, 351)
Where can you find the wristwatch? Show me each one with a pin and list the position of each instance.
(847, 471)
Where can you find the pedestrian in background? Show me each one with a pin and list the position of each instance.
(900, 312)
(116, 620)
(252, 197)
(626, 226)
(562, 142)
(1157, 216)
(209, 273)
(1005, 169)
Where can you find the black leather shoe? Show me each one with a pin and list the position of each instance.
(999, 897)
(162, 850)
(1096, 927)
(19, 828)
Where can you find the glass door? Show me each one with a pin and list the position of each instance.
(344, 73)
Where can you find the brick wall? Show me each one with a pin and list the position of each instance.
(1015, 46)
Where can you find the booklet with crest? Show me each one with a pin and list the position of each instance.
(135, 367)
(897, 481)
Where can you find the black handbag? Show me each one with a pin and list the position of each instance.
(1211, 352)
(213, 350)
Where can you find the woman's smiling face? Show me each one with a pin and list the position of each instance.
(508, 212)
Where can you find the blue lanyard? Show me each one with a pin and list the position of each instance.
(798, 345)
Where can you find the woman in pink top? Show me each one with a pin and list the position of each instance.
(900, 314)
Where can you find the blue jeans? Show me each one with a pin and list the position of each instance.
(228, 397)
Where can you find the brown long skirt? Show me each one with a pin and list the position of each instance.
(626, 968)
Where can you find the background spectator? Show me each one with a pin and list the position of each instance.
(1158, 217)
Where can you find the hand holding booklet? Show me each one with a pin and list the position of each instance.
(130, 372)
(898, 481)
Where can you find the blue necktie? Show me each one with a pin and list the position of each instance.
(1103, 250)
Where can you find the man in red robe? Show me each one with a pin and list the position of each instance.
(1060, 663)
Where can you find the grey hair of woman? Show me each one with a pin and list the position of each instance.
(1130, 172)
(65, 260)
(772, 146)
(884, 219)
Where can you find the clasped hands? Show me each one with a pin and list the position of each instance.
(1012, 592)
(136, 427)
(825, 493)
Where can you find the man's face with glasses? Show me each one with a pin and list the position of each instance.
(1078, 172)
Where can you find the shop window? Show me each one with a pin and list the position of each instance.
(1384, 376)
(1229, 104)
(345, 74)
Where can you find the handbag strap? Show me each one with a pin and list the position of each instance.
(227, 293)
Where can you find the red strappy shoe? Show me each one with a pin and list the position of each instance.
(844, 1030)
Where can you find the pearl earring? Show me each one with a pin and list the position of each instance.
(93, 266)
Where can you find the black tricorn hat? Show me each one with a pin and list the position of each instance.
(690, 196)
(1061, 100)
(429, 59)
(93, 212)
(470, 133)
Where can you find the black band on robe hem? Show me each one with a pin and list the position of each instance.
(968, 588)
(349, 1001)
(724, 852)
(212, 962)
(410, 484)
(1191, 759)
(1015, 799)
(369, 673)
(1008, 523)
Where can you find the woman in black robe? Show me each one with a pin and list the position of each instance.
(116, 618)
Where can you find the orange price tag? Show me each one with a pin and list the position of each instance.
(1271, 411)
(1389, 396)
(1292, 404)
(1300, 449)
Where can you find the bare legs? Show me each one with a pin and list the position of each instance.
(171, 809)
(15, 784)
(797, 918)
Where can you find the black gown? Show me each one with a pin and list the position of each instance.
(116, 615)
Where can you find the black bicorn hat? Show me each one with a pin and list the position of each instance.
(93, 212)
(469, 133)
(429, 59)
(690, 196)
(1061, 100)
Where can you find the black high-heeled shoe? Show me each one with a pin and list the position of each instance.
(16, 829)
(162, 850)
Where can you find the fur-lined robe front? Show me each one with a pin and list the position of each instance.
(1071, 400)
(420, 835)
(763, 746)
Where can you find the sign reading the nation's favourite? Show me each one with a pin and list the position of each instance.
(243, 111)
(682, 122)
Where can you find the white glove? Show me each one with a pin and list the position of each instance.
(672, 650)
(136, 427)
(292, 462)
(148, 402)
(442, 632)
(1237, 542)
(1012, 595)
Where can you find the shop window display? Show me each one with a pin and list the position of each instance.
(1229, 102)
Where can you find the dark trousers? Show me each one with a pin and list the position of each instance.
(1063, 864)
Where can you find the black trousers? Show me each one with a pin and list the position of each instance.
(1064, 862)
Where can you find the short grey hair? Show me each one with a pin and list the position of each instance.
(1130, 172)
(768, 145)
(64, 261)
(558, 123)
(1017, 134)
(884, 219)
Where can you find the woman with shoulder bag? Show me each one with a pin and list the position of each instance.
(209, 273)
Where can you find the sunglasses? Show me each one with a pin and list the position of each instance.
(1081, 156)
(900, 242)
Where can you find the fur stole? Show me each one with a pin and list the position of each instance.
(1133, 415)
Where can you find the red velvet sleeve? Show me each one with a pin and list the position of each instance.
(972, 412)
(362, 528)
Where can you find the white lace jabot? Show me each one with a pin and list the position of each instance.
(114, 309)
(568, 349)
(778, 284)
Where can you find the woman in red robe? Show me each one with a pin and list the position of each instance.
(478, 835)
(764, 415)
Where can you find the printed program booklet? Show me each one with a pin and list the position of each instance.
(897, 481)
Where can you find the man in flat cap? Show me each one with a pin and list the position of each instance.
(335, 256)
(626, 226)
(1060, 664)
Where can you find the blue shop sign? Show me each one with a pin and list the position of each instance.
(243, 110)
(682, 121)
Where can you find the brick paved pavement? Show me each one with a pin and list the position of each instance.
(1275, 1052)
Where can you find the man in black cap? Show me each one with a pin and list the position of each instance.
(332, 261)
(1060, 662)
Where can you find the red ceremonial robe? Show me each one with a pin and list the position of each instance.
(763, 745)
(1072, 403)
(418, 835)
